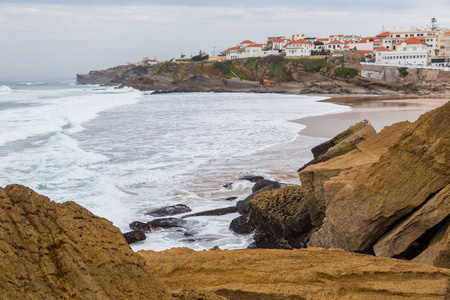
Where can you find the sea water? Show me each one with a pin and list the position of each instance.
(121, 153)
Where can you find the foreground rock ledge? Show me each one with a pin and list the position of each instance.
(62, 251)
(312, 273)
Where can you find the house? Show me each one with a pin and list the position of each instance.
(277, 43)
(335, 46)
(255, 50)
(234, 52)
(298, 48)
(245, 43)
(350, 37)
(337, 37)
(397, 37)
(411, 51)
(146, 62)
(443, 47)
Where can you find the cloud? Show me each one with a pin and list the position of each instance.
(62, 40)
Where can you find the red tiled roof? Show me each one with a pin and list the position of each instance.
(386, 33)
(364, 51)
(255, 45)
(300, 41)
(413, 40)
(381, 49)
(336, 43)
(234, 48)
(323, 40)
(448, 32)
(277, 40)
(247, 42)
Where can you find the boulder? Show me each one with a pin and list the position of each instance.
(410, 173)
(260, 184)
(252, 178)
(134, 236)
(167, 223)
(281, 218)
(140, 226)
(62, 251)
(213, 212)
(242, 224)
(169, 210)
(242, 206)
(231, 198)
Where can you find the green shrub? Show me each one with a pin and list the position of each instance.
(346, 72)
(403, 71)
(313, 65)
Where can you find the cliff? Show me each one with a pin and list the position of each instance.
(62, 251)
(272, 74)
(386, 194)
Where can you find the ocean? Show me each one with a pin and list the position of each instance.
(121, 152)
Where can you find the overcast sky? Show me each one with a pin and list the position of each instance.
(40, 40)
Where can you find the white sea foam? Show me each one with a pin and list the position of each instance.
(5, 89)
(120, 153)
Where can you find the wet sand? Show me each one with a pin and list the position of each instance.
(381, 111)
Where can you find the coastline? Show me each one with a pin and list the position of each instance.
(380, 111)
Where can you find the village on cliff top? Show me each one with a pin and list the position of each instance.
(427, 47)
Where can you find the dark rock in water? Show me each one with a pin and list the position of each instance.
(228, 185)
(263, 183)
(242, 205)
(140, 226)
(202, 238)
(169, 210)
(252, 178)
(190, 232)
(231, 198)
(214, 212)
(167, 223)
(134, 236)
(242, 224)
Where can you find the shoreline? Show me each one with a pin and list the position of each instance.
(380, 111)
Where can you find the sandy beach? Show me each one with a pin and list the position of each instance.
(381, 111)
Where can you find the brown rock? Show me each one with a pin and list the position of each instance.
(399, 238)
(51, 251)
(410, 172)
(134, 236)
(297, 274)
(320, 182)
(281, 218)
(438, 251)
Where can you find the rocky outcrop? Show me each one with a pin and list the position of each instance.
(295, 274)
(355, 150)
(169, 210)
(112, 76)
(386, 194)
(54, 251)
(407, 179)
(282, 218)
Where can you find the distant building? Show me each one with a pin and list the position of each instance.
(298, 48)
(335, 46)
(411, 51)
(146, 61)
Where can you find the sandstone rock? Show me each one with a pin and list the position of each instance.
(169, 210)
(213, 212)
(262, 183)
(297, 274)
(242, 206)
(437, 252)
(410, 172)
(62, 251)
(320, 182)
(281, 218)
(428, 215)
(134, 236)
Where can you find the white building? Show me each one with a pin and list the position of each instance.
(298, 48)
(411, 51)
(278, 44)
(335, 46)
(397, 37)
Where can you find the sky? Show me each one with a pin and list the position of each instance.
(49, 39)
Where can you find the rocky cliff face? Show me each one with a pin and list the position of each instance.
(50, 251)
(387, 194)
(295, 274)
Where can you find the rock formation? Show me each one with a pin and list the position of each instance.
(295, 274)
(54, 251)
(386, 194)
